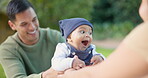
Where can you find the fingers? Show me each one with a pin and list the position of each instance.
(77, 63)
(76, 57)
(96, 59)
(81, 65)
(66, 72)
(77, 68)
(50, 73)
(61, 72)
(93, 60)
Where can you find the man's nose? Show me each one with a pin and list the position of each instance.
(31, 26)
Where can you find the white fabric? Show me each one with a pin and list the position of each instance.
(61, 61)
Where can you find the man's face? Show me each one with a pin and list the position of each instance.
(27, 26)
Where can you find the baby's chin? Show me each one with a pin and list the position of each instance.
(83, 48)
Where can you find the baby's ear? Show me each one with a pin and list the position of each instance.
(69, 39)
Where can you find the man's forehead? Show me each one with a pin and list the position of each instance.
(27, 15)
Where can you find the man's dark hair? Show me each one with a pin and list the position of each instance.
(16, 6)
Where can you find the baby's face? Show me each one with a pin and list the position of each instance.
(81, 37)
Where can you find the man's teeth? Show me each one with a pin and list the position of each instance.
(32, 32)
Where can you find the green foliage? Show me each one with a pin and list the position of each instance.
(101, 12)
(3, 4)
(116, 11)
(113, 31)
(51, 11)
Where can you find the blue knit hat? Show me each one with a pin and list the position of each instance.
(69, 25)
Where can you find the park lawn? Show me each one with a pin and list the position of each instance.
(104, 51)
(2, 74)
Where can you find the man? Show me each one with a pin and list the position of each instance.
(27, 53)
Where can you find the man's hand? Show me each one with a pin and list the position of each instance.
(77, 63)
(96, 59)
(50, 73)
(65, 73)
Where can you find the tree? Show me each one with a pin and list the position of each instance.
(51, 11)
(3, 4)
(101, 12)
(115, 11)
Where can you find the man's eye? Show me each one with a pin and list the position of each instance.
(34, 20)
(23, 24)
(82, 32)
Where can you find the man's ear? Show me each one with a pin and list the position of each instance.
(12, 25)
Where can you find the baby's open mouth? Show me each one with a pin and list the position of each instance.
(85, 42)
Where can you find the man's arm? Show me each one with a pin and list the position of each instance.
(13, 67)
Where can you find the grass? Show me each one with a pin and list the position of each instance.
(104, 51)
(2, 74)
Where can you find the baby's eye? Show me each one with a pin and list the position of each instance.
(90, 33)
(82, 32)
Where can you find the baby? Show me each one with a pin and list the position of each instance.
(77, 52)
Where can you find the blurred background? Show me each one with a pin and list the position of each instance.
(112, 19)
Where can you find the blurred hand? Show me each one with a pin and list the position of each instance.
(50, 73)
(96, 59)
(77, 63)
(65, 73)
